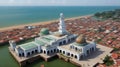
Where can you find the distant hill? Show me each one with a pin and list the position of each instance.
(114, 15)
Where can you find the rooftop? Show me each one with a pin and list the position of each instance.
(28, 46)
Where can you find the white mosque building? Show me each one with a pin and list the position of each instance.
(60, 41)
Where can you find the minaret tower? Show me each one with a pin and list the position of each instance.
(12, 44)
(62, 27)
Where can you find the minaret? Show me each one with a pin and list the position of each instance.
(62, 27)
(12, 44)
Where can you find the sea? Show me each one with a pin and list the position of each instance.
(16, 15)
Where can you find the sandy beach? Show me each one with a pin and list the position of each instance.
(39, 23)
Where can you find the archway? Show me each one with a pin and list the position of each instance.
(63, 52)
(28, 53)
(51, 51)
(47, 52)
(60, 43)
(71, 55)
(60, 51)
(68, 54)
(76, 56)
(54, 50)
(68, 40)
(32, 52)
(36, 51)
(87, 52)
(76, 48)
(44, 52)
(23, 54)
(41, 51)
(64, 42)
(92, 49)
(19, 55)
(57, 50)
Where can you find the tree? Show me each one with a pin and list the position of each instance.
(108, 61)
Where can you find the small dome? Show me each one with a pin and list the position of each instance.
(81, 39)
(44, 31)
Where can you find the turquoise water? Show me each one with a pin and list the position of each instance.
(14, 15)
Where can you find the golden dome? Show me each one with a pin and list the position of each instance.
(81, 39)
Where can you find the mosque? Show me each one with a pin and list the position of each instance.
(61, 41)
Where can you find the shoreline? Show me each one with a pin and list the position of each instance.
(39, 23)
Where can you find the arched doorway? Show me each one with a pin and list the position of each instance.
(32, 52)
(63, 52)
(68, 40)
(87, 52)
(47, 52)
(41, 51)
(23, 54)
(51, 51)
(64, 42)
(76, 56)
(68, 54)
(57, 50)
(60, 51)
(44, 52)
(19, 55)
(54, 50)
(36, 51)
(60, 43)
(81, 57)
(71, 55)
(28, 53)
(92, 49)
(76, 48)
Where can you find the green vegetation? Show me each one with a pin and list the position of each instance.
(99, 40)
(108, 61)
(116, 49)
(114, 15)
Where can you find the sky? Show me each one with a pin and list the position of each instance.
(59, 2)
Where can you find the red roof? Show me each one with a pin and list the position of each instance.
(114, 55)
